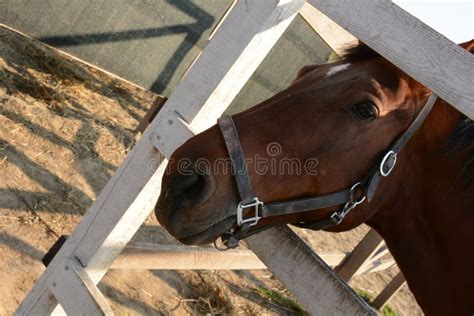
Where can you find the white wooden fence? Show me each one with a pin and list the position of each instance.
(243, 39)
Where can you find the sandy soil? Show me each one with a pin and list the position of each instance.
(64, 129)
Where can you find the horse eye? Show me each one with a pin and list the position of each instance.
(364, 111)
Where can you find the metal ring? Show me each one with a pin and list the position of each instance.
(384, 160)
(361, 199)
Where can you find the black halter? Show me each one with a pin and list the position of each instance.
(350, 198)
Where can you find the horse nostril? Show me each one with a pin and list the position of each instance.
(192, 184)
(192, 189)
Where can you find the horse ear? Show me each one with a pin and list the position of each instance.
(469, 46)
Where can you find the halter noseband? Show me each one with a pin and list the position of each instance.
(350, 198)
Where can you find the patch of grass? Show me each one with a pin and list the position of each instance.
(279, 299)
(386, 311)
(365, 296)
(389, 311)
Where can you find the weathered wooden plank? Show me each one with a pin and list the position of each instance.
(423, 53)
(171, 257)
(77, 293)
(131, 193)
(389, 291)
(335, 36)
(314, 284)
(360, 255)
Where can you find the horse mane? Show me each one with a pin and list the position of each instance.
(358, 51)
(462, 137)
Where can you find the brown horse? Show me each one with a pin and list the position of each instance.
(342, 117)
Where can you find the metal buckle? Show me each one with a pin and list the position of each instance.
(256, 204)
(391, 153)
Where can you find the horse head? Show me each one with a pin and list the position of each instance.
(325, 132)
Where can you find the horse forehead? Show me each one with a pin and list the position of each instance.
(336, 68)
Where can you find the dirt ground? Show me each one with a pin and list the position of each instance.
(64, 129)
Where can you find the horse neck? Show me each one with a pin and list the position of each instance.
(428, 222)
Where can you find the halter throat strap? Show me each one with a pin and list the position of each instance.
(250, 210)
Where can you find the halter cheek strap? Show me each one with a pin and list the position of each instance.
(236, 155)
(242, 179)
(250, 210)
